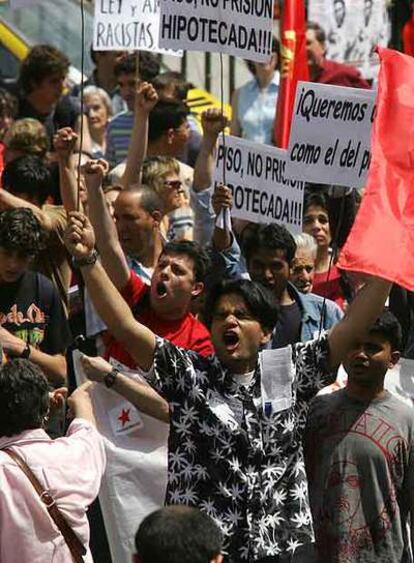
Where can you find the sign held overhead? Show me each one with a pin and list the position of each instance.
(242, 28)
(127, 25)
(262, 193)
(331, 134)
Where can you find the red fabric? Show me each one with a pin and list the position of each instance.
(331, 289)
(294, 66)
(408, 37)
(339, 74)
(381, 241)
(187, 332)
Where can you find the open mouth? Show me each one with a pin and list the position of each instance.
(161, 289)
(231, 340)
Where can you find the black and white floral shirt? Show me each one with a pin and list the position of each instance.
(229, 457)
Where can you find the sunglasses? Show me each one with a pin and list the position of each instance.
(173, 184)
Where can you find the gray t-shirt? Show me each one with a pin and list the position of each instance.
(359, 459)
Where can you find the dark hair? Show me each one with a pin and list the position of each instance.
(319, 32)
(148, 65)
(24, 397)
(316, 199)
(270, 237)
(275, 49)
(21, 232)
(8, 104)
(175, 79)
(41, 62)
(259, 300)
(149, 199)
(389, 328)
(193, 251)
(28, 174)
(178, 534)
(167, 114)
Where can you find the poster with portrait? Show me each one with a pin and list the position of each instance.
(353, 29)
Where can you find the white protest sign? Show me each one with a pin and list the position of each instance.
(242, 28)
(262, 192)
(127, 25)
(330, 136)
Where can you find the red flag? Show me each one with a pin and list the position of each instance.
(381, 241)
(294, 66)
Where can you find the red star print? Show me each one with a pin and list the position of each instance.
(124, 417)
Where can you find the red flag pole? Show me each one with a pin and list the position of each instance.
(294, 66)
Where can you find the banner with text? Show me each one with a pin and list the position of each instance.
(262, 192)
(242, 28)
(128, 25)
(330, 135)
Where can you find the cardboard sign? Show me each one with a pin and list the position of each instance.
(242, 28)
(262, 192)
(127, 25)
(330, 136)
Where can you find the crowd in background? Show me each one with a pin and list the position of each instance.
(109, 243)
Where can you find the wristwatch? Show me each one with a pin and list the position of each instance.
(86, 260)
(25, 355)
(110, 377)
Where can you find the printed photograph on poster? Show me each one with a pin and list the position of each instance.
(262, 192)
(128, 25)
(330, 137)
(241, 28)
(353, 29)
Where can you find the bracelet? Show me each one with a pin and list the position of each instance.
(25, 355)
(86, 260)
(110, 377)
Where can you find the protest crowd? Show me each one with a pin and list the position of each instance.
(193, 368)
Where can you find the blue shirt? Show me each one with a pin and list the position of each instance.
(118, 134)
(310, 305)
(256, 110)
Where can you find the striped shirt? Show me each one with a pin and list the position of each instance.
(117, 137)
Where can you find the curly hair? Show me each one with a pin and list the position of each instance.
(21, 232)
(194, 252)
(24, 397)
(29, 136)
(41, 62)
(28, 174)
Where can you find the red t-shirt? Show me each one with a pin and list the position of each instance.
(187, 332)
(331, 289)
(339, 74)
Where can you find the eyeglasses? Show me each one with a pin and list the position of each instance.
(173, 184)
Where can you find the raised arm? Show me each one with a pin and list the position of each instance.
(64, 143)
(360, 316)
(213, 122)
(235, 128)
(112, 255)
(145, 99)
(10, 201)
(222, 199)
(137, 339)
